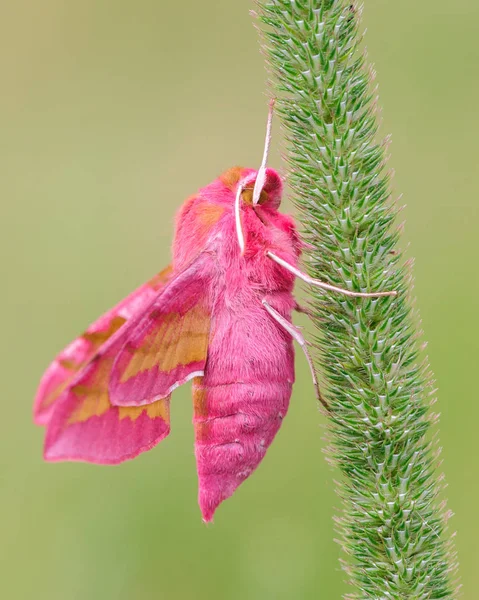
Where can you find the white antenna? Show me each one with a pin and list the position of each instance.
(239, 228)
(261, 177)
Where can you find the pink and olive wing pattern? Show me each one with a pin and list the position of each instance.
(160, 347)
(86, 427)
(76, 356)
(169, 345)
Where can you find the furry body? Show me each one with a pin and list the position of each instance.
(244, 394)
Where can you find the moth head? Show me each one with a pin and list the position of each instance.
(254, 190)
(271, 186)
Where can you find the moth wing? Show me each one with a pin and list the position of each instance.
(170, 343)
(86, 424)
(76, 356)
(86, 427)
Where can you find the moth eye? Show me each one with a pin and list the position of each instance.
(247, 196)
(263, 197)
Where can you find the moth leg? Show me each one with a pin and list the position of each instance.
(261, 176)
(304, 310)
(298, 336)
(321, 284)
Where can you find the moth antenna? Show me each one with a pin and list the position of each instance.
(261, 177)
(298, 336)
(325, 286)
(239, 227)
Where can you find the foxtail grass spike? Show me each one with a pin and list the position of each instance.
(376, 382)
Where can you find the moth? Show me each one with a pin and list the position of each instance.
(220, 315)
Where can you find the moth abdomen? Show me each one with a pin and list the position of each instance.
(234, 426)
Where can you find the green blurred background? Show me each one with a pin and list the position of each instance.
(113, 112)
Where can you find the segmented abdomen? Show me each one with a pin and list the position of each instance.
(240, 403)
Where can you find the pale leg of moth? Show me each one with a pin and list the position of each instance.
(298, 336)
(304, 310)
(321, 284)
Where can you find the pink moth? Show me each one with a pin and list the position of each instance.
(221, 315)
